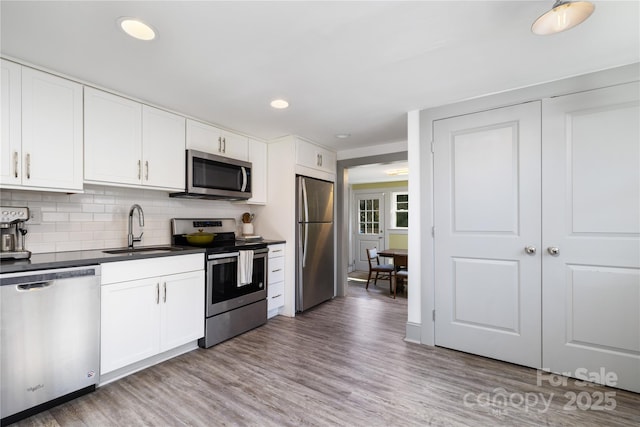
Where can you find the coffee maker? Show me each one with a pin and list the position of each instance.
(12, 233)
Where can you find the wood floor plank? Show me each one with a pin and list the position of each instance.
(344, 363)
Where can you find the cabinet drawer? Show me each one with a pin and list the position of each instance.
(275, 296)
(276, 250)
(276, 270)
(124, 271)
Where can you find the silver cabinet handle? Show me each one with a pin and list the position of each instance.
(139, 169)
(553, 250)
(28, 166)
(146, 168)
(164, 299)
(224, 144)
(277, 269)
(219, 144)
(530, 250)
(15, 164)
(276, 296)
(157, 293)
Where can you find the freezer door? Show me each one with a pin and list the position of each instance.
(315, 200)
(315, 267)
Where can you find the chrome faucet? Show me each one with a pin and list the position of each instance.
(130, 238)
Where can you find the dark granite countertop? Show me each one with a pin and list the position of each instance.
(83, 258)
(95, 256)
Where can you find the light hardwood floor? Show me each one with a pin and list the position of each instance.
(344, 363)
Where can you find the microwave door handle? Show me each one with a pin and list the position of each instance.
(244, 178)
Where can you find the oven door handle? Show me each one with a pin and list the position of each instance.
(224, 255)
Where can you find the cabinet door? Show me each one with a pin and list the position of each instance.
(11, 154)
(182, 297)
(258, 159)
(113, 135)
(203, 137)
(163, 145)
(315, 157)
(51, 131)
(234, 146)
(130, 313)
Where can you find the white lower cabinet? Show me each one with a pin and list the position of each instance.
(275, 280)
(143, 317)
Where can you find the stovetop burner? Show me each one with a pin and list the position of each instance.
(224, 229)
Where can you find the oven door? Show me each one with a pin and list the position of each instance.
(224, 292)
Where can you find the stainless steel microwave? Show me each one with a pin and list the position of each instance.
(216, 177)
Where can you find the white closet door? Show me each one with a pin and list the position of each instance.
(487, 211)
(591, 214)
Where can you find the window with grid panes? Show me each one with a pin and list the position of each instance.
(400, 210)
(369, 216)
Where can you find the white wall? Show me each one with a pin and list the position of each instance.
(98, 218)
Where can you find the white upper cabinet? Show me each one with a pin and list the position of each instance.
(258, 159)
(316, 157)
(41, 130)
(163, 148)
(112, 138)
(127, 143)
(11, 155)
(210, 139)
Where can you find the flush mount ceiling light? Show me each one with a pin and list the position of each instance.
(396, 172)
(565, 14)
(279, 104)
(136, 28)
(343, 135)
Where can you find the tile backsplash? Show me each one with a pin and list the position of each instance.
(98, 218)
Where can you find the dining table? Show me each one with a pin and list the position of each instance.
(391, 252)
(400, 259)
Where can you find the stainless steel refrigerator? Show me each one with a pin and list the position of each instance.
(314, 242)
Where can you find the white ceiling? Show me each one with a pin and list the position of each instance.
(345, 67)
(377, 173)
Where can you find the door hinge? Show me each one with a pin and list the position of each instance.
(433, 315)
(432, 146)
(433, 231)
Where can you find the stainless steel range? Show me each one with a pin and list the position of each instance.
(236, 277)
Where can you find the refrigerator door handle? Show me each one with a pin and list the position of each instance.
(304, 245)
(305, 203)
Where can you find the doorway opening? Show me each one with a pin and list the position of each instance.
(369, 215)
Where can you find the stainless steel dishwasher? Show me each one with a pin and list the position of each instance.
(49, 338)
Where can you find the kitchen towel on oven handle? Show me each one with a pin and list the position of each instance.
(245, 268)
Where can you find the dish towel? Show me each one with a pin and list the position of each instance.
(245, 268)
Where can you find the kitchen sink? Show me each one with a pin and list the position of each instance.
(142, 249)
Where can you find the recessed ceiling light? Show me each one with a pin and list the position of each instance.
(343, 135)
(137, 29)
(279, 103)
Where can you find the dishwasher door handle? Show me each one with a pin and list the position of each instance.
(36, 286)
(37, 279)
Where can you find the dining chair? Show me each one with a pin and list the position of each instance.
(401, 271)
(375, 266)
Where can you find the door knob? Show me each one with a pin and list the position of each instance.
(530, 250)
(553, 250)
